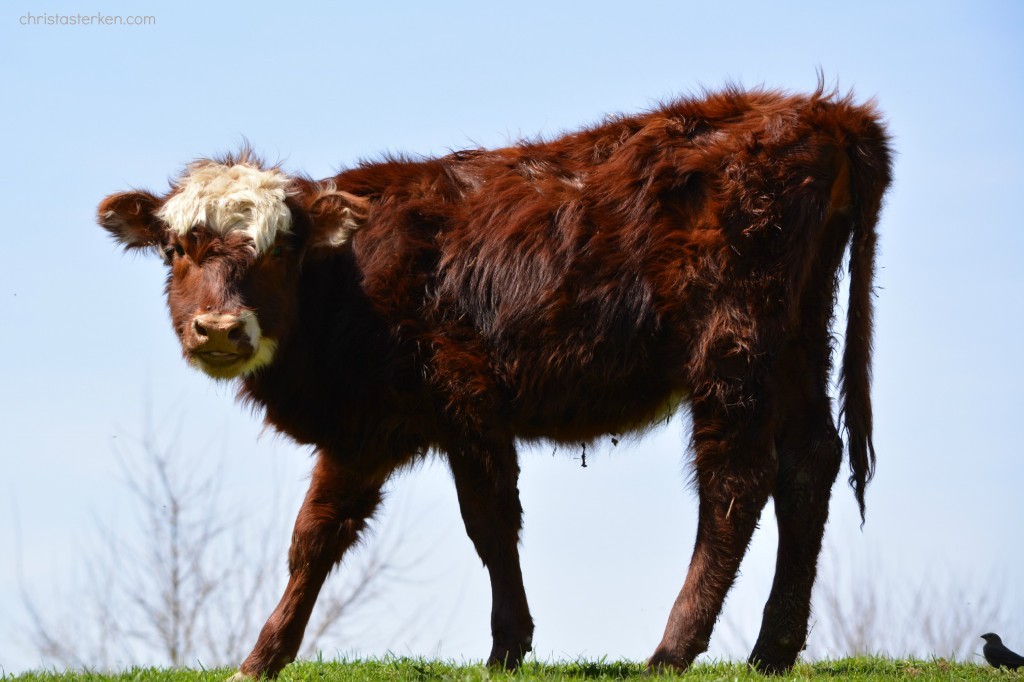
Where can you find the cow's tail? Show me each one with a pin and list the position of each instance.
(870, 163)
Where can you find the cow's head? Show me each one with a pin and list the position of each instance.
(233, 233)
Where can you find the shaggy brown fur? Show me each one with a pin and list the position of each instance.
(561, 290)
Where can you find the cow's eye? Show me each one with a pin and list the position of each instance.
(276, 252)
(172, 252)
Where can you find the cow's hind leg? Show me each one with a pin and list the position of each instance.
(810, 453)
(335, 510)
(486, 479)
(734, 470)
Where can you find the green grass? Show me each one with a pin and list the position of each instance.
(860, 669)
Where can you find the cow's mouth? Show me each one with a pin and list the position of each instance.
(223, 361)
(220, 359)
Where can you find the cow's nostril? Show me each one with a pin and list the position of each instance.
(219, 329)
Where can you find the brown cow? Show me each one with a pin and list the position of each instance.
(555, 290)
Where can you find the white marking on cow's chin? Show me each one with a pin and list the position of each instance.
(230, 198)
(263, 356)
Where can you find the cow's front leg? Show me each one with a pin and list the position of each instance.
(486, 478)
(337, 505)
(734, 471)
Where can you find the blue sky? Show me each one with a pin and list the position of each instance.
(89, 110)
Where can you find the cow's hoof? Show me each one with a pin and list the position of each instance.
(664, 662)
(509, 657)
(771, 664)
(240, 677)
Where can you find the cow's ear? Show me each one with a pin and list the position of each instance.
(130, 218)
(335, 216)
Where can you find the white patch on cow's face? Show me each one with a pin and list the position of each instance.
(262, 357)
(229, 198)
(264, 347)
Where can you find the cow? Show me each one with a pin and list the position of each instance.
(556, 290)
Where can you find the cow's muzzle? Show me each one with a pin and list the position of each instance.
(222, 344)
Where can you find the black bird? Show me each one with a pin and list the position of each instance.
(997, 655)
